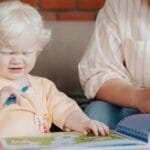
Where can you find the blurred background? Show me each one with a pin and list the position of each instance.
(67, 10)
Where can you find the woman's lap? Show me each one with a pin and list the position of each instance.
(108, 113)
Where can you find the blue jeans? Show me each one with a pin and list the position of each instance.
(108, 113)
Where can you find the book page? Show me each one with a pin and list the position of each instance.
(67, 140)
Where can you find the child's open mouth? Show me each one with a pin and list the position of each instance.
(15, 70)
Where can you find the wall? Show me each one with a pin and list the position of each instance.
(81, 10)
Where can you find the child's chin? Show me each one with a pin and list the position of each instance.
(14, 77)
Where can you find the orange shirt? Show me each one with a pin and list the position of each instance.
(44, 105)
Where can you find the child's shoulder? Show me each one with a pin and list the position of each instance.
(35, 77)
(40, 80)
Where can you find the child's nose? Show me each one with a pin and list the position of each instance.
(16, 58)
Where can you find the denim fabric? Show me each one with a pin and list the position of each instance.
(108, 113)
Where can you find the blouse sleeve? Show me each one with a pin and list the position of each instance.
(103, 59)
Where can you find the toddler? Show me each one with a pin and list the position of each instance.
(30, 104)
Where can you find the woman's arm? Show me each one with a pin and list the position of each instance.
(121, 93)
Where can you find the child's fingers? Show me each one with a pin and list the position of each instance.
(25, 95)
(105, 128)
(85, 131)
(94, 127)
(99, 128)
(2, 103)
(18, 96)
(5, 93)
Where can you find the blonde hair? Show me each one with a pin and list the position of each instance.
(14, 16)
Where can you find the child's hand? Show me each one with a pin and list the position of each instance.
(95, 127)
(7, 92)
(78, 121)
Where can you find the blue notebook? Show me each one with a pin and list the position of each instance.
(136, 126)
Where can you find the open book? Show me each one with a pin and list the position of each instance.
(136, 126)
(73, 141)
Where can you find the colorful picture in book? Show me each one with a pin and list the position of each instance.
(68, 139)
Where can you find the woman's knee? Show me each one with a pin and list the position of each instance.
(104, 112)
(128, 111)
(100, 107)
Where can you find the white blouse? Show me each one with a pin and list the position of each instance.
(119, 47)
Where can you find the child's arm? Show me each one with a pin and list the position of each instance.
(79, 122)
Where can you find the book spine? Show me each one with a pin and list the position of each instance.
(132, 133)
